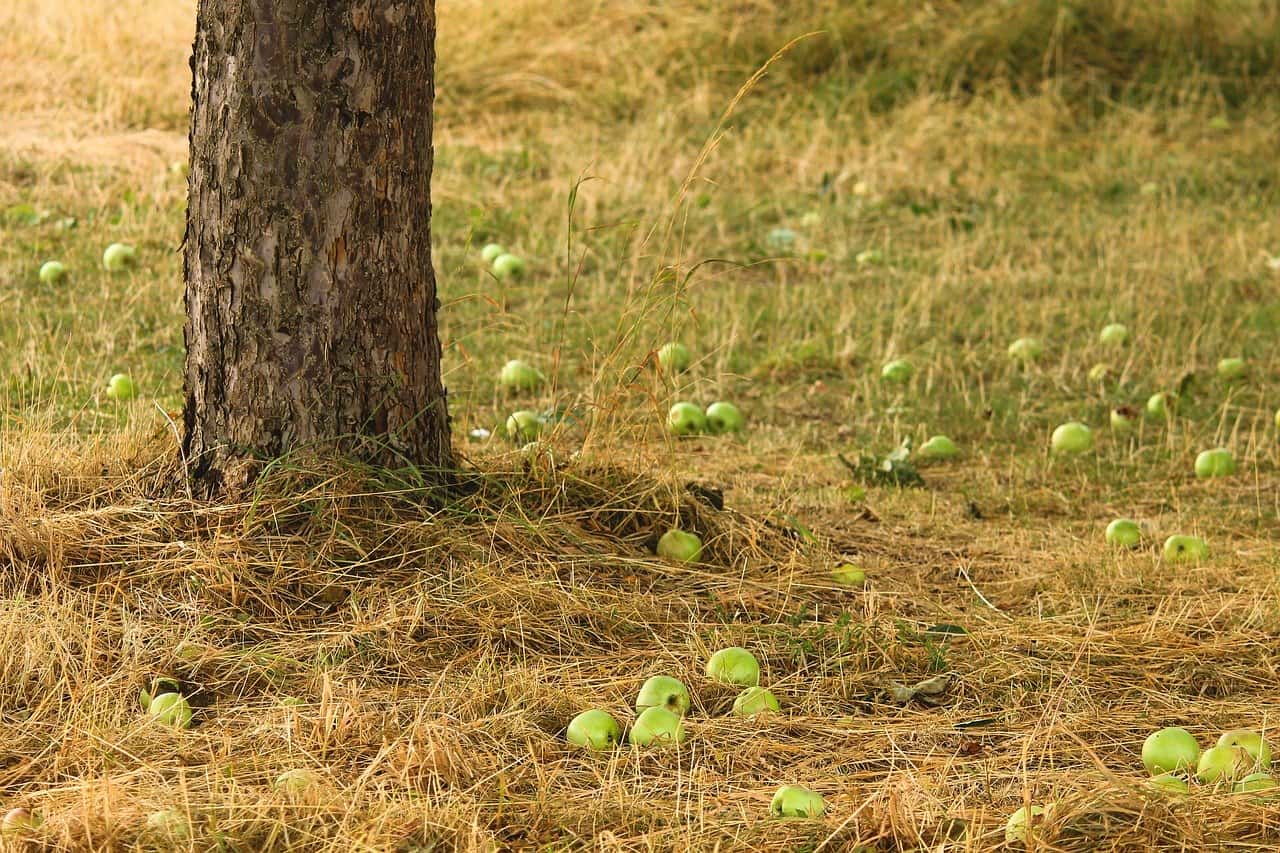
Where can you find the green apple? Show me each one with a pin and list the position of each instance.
(656, 726)
(517, 375)
(1185, 549)
(1113, 335)
(1015, 829)
(524, 425)
(734, 665)
(724, 418)
(1254, 782)
(157, 687)
(674, 357)
(170, 709)
(1071, 438)
(1162, 404)
(1223, 763)
(1169, 784)
(797, 801)
(170, 823)
(686, 419)
(1100, 372)
(868, 256)
(492, 251)
(120, 387)
(1230, 369)
(1215, 463)
(1026, 349)
(680, 546)
(1124, 533)
(18, 822)
(594, 729)
(1251, 742)
(52, 272)
(755, 700)
(781, 238)
(897, 371)
(1170, 750)
(938, 447)
(1123, 420)
(663, 691)
(117, 256)
(294, 782)
(508, 266)
(849, 575)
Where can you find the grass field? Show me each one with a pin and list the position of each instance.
(956, 177)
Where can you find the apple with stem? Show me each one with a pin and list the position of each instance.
(755, 700)
(594, 729)
(734, 665)
(1181, 548)
(663, 691)
(1071, 438)
(723, 418)
(679, 546)
(1170, 750)
(1217, 462)
(657, 726)
(1124, 533)
(797, 801)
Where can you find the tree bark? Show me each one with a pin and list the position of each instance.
(310, 295)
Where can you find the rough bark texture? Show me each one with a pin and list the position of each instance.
(311, 300)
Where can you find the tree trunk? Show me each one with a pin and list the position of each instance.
(311, 300)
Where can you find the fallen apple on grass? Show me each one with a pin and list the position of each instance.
(594, 729)
(117, 256)
(1217, 462)
(18, 821)
(663, 691)
(674, 357)
(524, 426)
(897, 371)
(734, 665)
(938, 448)
(517, 375)
(656, 726)
(1100, 372)
(295, 782)
(1254, 783)
(121, 388)
(849, 575)
(508, 266)
(755, 700)
(52, 272)
(1170, 750)
(1169, 784)
(1223, 764)
(1124, 533)
(1124, 419)
(1180, 548)
(1162, 404)
(1026, 350)
(1071, 438)
(797, 801)
(723, 418)
(685, 419)
(1022, 822)
(492, 251)
(1114, 335)
(1231, 369)
(169, 823)
(1251, 742)
(170, 709)
(680, 546)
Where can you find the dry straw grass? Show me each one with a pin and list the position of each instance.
(421, 650)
